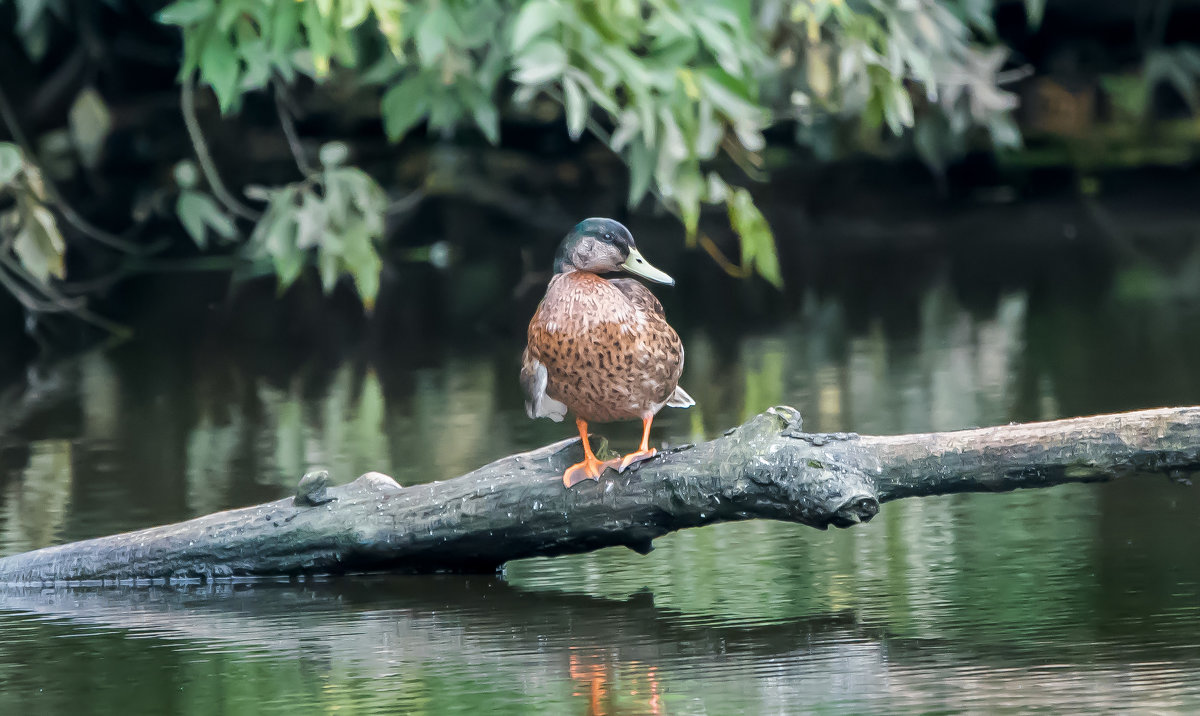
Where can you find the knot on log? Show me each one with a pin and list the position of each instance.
(376, 482)
(311, 491)
(827, 492)
(314, 489)
(860, 508)
(808, 480)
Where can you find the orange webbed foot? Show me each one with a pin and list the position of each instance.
(644, 451)
(588, 469)
(636, 457)
(591, 467)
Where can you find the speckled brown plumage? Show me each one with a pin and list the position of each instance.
(608, 352)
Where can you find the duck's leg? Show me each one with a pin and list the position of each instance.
(644, 451)
(591, 466)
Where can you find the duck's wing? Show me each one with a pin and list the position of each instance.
(533, 380)
(639, 295)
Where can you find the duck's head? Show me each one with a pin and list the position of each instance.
(603, 246)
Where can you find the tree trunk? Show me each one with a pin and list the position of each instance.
(517, 506)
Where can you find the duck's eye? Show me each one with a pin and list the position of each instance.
(609, 237)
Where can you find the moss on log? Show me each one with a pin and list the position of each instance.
(517, 507)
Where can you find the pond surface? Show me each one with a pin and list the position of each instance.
(1072, 599)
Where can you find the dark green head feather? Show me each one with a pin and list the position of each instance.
(602, 246)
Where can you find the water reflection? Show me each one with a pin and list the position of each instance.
(498, 643)
(36, 503)
(451, 644)
(1072, 598)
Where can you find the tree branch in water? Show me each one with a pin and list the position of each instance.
(516, 507)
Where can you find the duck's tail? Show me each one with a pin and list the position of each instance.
(680, 399)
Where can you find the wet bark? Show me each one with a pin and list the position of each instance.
(517, 507)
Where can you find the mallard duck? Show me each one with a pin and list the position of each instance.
(602, 347)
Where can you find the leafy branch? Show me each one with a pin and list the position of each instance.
(681, 90)
(32, 249)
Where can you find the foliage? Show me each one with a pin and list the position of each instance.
(681, 91)
(905, 65)
(1178, 67)
(337, 214)
(668, 86)
(28, 230)
(198, 212)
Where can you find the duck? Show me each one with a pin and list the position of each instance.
(601, 347)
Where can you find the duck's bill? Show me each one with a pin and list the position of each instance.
(639, 266)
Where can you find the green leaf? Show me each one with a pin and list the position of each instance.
(289, 264)
(39, 245)
(267, 236)
(344, 47)
(1004, 132)
(188, 209)
(576, 108)
(641, 167)
(354, 13)
(483, 111)
(34, 24)
(673, 144)
(389, 15)
(433, 32)
(364, 191)
(540, 62)
(278, 240)
(328, 268)
(338, 198)
(37, 40)
(363, 263)
(1165, 65)
(689, 185)
(90, 122)
(1034, 10)
(320, 41)
(405, 104)
(673, 52)
(729, 94)
(645, 108)
(927, 141)
(312, 221)
(533, 20)
(185, 13)
(197, 212)
(219, 68)
(285, 30)
(600, 97)
(628, 125)
(445, 111)
(717, 191)
(720, 42)
(255, 57)
(758, 242)
(10, 163)
(229, 12)
(897, 107)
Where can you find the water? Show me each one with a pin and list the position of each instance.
(1072, 599)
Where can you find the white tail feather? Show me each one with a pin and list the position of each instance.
(680, 399)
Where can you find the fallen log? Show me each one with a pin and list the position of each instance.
(517, 507)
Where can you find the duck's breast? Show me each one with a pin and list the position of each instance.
(608, 355)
